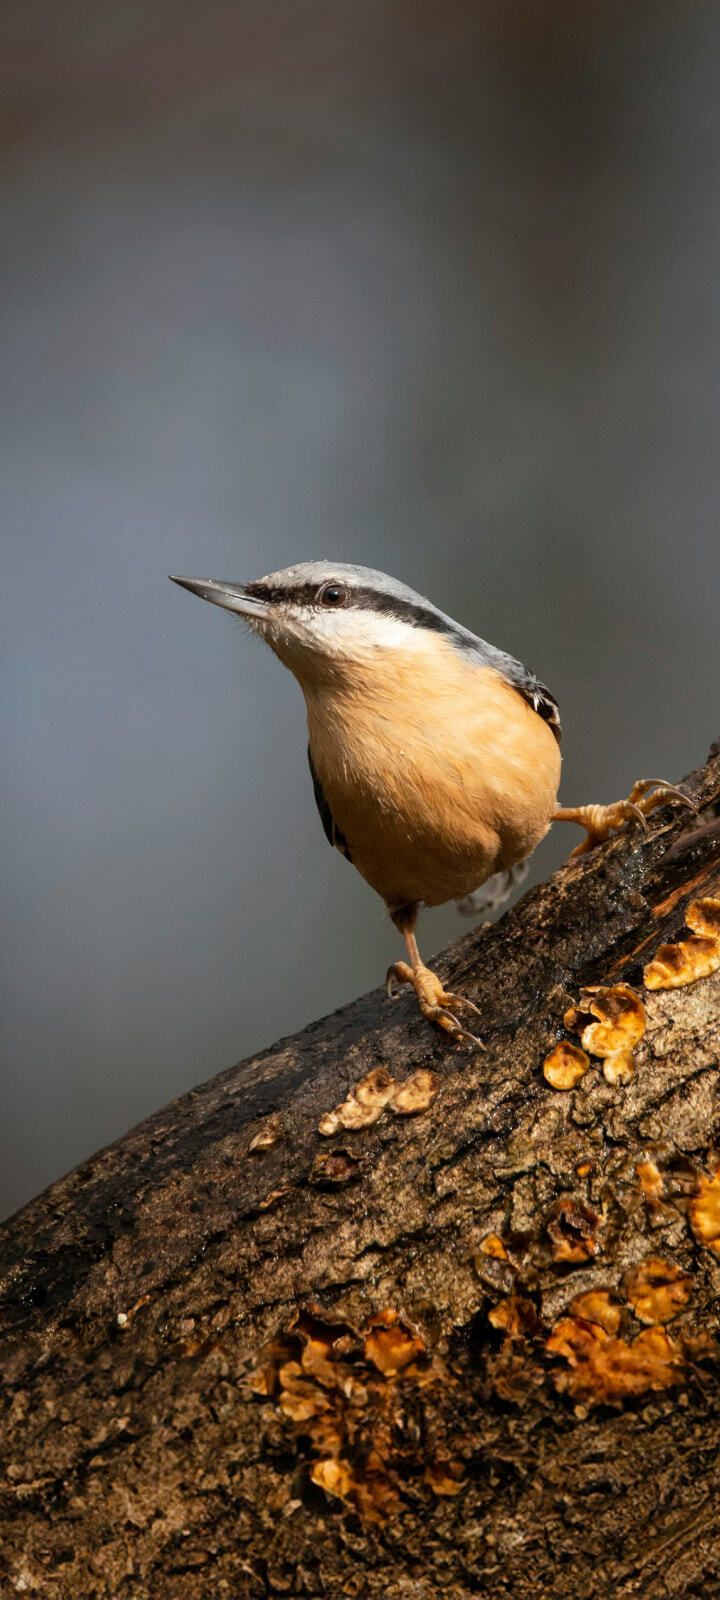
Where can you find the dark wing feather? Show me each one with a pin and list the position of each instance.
(333, 835)
(542, 701)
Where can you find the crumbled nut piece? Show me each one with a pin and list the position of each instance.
(331, 1167)
(390, 1344)
(597, 1306)
(674, 965)
(263, 1379)
(328, 1124)
(415, 1094)
(492, 1245)
(703, 916)
(515, 1315)
(272, 1198)
(375, 1496)
(288, 1372)
(317, 1362)
(573, 1228)
(364, 1105)
(620, 1026)
(657, 1289)
(619, 1067)
(359, 1114)
(705, 1212)
(620, 1013)
(351, 1114)
(650, 1179)
(565, 1065)
(301, 1402)
(378, 1089)
(267, 1135)
(355, 1397)
(444, 1477)
(311, 1325)
(335, 1477)
(604, 1369)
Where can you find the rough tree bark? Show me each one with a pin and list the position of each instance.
(244, 1358)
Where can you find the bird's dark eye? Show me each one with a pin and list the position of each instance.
(332, 594)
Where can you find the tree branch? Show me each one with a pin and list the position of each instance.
(243, 1357)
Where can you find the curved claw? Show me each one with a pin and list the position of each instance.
(632, 811)
(464, 1036)
(399, 972)
(664, 793)
(462, 1000)
(470, 1038)
(641, 786)
(451, 1024)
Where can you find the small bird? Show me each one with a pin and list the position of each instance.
(434, 757)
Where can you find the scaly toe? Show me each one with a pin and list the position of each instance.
(647, 795)
(433, 1000)
(606, 820)
(449, 1023)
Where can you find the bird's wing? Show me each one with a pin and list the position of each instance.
(514, 673)
(541, 701)
(521, 678)
(333, 834)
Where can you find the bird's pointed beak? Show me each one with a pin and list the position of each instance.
(231, 596)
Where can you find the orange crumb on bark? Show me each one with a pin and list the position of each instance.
(565, 1065)
(675, 965)
(704, 1212)
(657, 1289)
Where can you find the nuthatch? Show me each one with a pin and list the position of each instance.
(434, 757)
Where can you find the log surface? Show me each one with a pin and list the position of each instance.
(356, 1364)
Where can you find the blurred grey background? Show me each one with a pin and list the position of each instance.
(433, 286)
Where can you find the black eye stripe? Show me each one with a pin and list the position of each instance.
(355, 596)
(299, 594)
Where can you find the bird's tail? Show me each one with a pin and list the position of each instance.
(494, 892)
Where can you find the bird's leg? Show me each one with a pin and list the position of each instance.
(434, 1001)
(600, 821)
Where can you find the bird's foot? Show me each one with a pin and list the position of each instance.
(434, 1001)
(601, 821)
